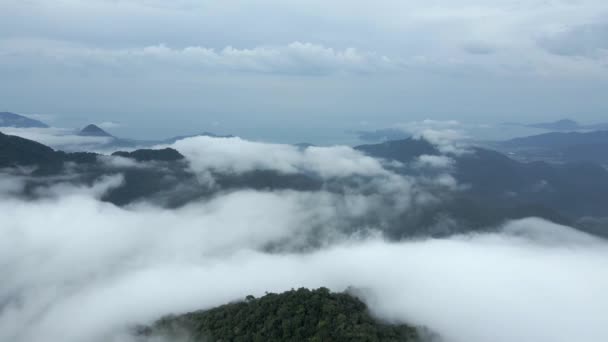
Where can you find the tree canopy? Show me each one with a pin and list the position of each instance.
(296, 315)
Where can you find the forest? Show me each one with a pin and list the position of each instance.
(296, 315)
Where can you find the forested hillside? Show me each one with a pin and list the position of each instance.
(296, 315)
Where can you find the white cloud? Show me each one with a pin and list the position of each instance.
(395, 192)
(100, 268)
(390, 193)
(123, 162)
(79, 269)
(441, 35)
(447, 140)
(294, 58)
(96, 191)
(73, 63)
(588, 40)
(434, 162)
(236, 155)
(449, 136)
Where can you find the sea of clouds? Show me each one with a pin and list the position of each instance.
(76, 268)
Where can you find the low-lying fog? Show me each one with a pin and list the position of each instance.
(78, 269)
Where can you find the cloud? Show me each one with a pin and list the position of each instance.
(80, 269)
(367, 183)
(588, 40)
(340, 169)
(434, 162)
(67, 58)
(96, 191)
(301, 58)
(11, 185)
(447, 140)
(117, 162)
(478, 48)
(109, 124)
(137, 264)
(448, 136)
(236, 155)
(438, 36)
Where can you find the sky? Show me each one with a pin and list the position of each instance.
(293, 71)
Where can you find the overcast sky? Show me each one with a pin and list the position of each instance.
(287, 70)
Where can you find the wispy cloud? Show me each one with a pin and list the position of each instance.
(294, 58)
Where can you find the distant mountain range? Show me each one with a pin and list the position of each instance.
(13, 120)
(557, 176)
(559, 139)
(564, 125)
(497, 188)
(560, 147)
(116, 142)
(8, 119)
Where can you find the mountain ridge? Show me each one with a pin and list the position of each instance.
(563, 125)
(9, 119)
(93, 130)
(496, 188)
(562, 147)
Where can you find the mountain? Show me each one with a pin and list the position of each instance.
(94, 131)
(405, 150)
(558, 139)
(296, 315)
(498, 187)
(16, 151)
(19, 152)
(111, 142)
(381, 135)
(168, 182)
(598, 127)
(560, 125)
(19, 121)
(116, 142)
(563, 125)
(144, 155)
(559, 147)
(8, 119)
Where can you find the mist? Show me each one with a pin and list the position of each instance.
(419, 155)
(80, 269)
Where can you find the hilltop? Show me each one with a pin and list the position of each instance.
(296, 315)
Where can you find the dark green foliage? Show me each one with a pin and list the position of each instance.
(165, 154)
(19, 151)
(296, 315)
(405, 150)
(16, 151)
(511, 187)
